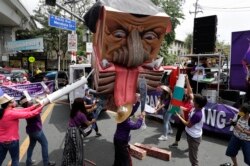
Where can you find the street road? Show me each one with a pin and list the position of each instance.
(101, 151)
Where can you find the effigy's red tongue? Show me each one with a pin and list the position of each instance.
(125, 85)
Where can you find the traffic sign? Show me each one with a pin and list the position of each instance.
(62, 23)
(32, 59)
(72, 42)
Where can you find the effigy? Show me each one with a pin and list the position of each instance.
(127, 39)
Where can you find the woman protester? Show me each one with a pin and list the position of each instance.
(73, 153)
(90, 105)
(163, 105)
(36, 134)
(9, 126)
(122, 136)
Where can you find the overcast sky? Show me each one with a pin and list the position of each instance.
(232, 15)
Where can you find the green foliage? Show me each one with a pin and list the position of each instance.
(174, 9)
(51, 35)
(223, 48)
(188, 43)
(54, 38)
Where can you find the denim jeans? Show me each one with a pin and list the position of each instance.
(40, 137)
(13, 148)
(166, 121)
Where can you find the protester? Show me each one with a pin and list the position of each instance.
(9, 126)
(163, 105)
(240, 138)
(37, 71)
(90, 104)
(45, 87)
(73, 152)
(8, 82)
(35, 132)
(122, 137)
(186, 107)
(2, 77)
(25, 80)
(193, 128)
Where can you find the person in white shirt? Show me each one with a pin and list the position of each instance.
(193, 128)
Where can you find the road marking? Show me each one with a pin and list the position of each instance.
(24, 147)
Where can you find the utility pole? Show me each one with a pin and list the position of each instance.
(196, 11)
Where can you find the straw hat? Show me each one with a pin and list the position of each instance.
(166, 88)
(5, 98)
(123, 113)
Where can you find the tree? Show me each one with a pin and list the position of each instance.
(188, 43)
(56, 39)
(223, 48)
(174, 9)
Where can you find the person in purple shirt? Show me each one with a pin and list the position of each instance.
(35, 132)
(73, 146)
(163, 105)
(122, 138)
(193, 128)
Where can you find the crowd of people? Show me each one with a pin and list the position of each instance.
(83, 116)
(6, 81)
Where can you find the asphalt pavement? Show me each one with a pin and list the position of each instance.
(101, 150)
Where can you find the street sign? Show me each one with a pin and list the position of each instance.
(32, 59)
(62, 23)
(72, 42)
(89, 47)
(28, 44)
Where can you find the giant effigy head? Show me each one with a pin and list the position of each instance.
(127, 38)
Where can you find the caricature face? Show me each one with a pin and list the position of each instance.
(122, 43)
(129, 40)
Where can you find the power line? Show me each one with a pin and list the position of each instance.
(224, 8)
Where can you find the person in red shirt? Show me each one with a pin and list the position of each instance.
(9, 126)
(25, 80)
(186, 107)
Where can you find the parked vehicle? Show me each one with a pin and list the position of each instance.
(60, 78)
(5, 72)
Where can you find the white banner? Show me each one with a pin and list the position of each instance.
(89, 47)
(72, 42)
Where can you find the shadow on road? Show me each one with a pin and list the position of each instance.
(60, 117)
(99, 150)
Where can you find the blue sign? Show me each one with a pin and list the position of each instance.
(62, 23)
(29, 44)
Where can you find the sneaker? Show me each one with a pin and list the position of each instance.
(226, 164)
(33, 162)
(163, 138)
(174, 145)
(170, 131)
(51, 163)
(98, 134)
(143, 126)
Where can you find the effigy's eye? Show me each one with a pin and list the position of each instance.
(150, 35)
(119, 33)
